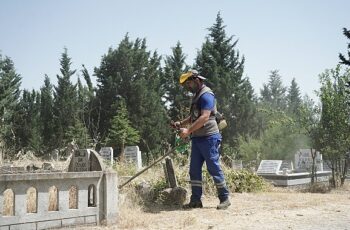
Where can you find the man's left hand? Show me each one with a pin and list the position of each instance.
(184, 132)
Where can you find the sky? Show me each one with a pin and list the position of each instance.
(300, 38)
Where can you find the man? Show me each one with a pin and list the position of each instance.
(201, 126)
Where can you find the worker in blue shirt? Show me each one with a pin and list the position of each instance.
(202, 128)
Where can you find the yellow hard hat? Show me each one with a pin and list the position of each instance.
(190, 73)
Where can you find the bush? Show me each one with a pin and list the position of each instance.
(244, 181)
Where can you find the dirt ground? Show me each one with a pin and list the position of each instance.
(280, 209)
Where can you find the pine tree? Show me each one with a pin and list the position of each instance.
(132, 73)
(121, 132)
(92, 108)
(65, 100)
(293, 98)
(175, 95)
(221, 64)
(28, 121)
(342, 58)
(274, 93)
(47, 115)
(10, 83)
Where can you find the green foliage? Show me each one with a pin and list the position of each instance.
(244, 181)
(65, 101)
(334, 128)
(133, 73)
(121, 132)
(79, 135)
(342, 58)
(47, 115)
(28, 120)
(293, 99)
(274, 93)
(175, 95)
(10, 82)
(220, 62)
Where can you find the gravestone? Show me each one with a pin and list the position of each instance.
(303, 160)
(107, 154)
(83, 160)
(80, 161)
(133, 154)
(170, 173)
(269, 167)
(55, 155)
(237, 164)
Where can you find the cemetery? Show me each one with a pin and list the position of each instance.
(84, 194)
(283, 173)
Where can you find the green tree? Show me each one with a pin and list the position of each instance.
(133, 73)
(309, 120)
(293, 98)
(47, 115)
(121, 132)
(334, 130)
(10, 83)
(79, 134)
(28, 121)
(65, 100)
(175, 95)
(220, 62)
(342, 58)
(274, 93)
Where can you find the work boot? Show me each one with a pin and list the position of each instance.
(193, 204)
(224, 204)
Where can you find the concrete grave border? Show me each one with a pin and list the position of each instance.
(101, 185)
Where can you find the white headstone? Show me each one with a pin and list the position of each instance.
(303, 160)
(269, 167)
(133, 154)
(237, 164)
(107, 153)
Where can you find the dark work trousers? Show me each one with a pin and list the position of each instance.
(206, 149)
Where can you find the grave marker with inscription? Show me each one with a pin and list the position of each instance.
(107, 153)
(80, 160)
(303, 160)
(133, 154)
(269, 167)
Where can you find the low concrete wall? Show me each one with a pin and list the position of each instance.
(97, 194)
(295, 178)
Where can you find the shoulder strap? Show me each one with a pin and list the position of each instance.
(205, 89)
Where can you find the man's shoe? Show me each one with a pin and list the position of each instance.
(193, 204)
(224, 204)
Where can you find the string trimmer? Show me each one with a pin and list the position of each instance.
(180, 147)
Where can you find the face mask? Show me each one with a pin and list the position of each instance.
(192, 86)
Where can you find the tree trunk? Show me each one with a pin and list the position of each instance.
(122, 147)
(313, 166)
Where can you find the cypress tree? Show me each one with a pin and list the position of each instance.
(47, 115)
(65, 100)
(342, 58)
(175, 95)
(293, 98)
(10, 82)
(220, 62)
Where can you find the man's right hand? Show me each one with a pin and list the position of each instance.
(176, 124)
